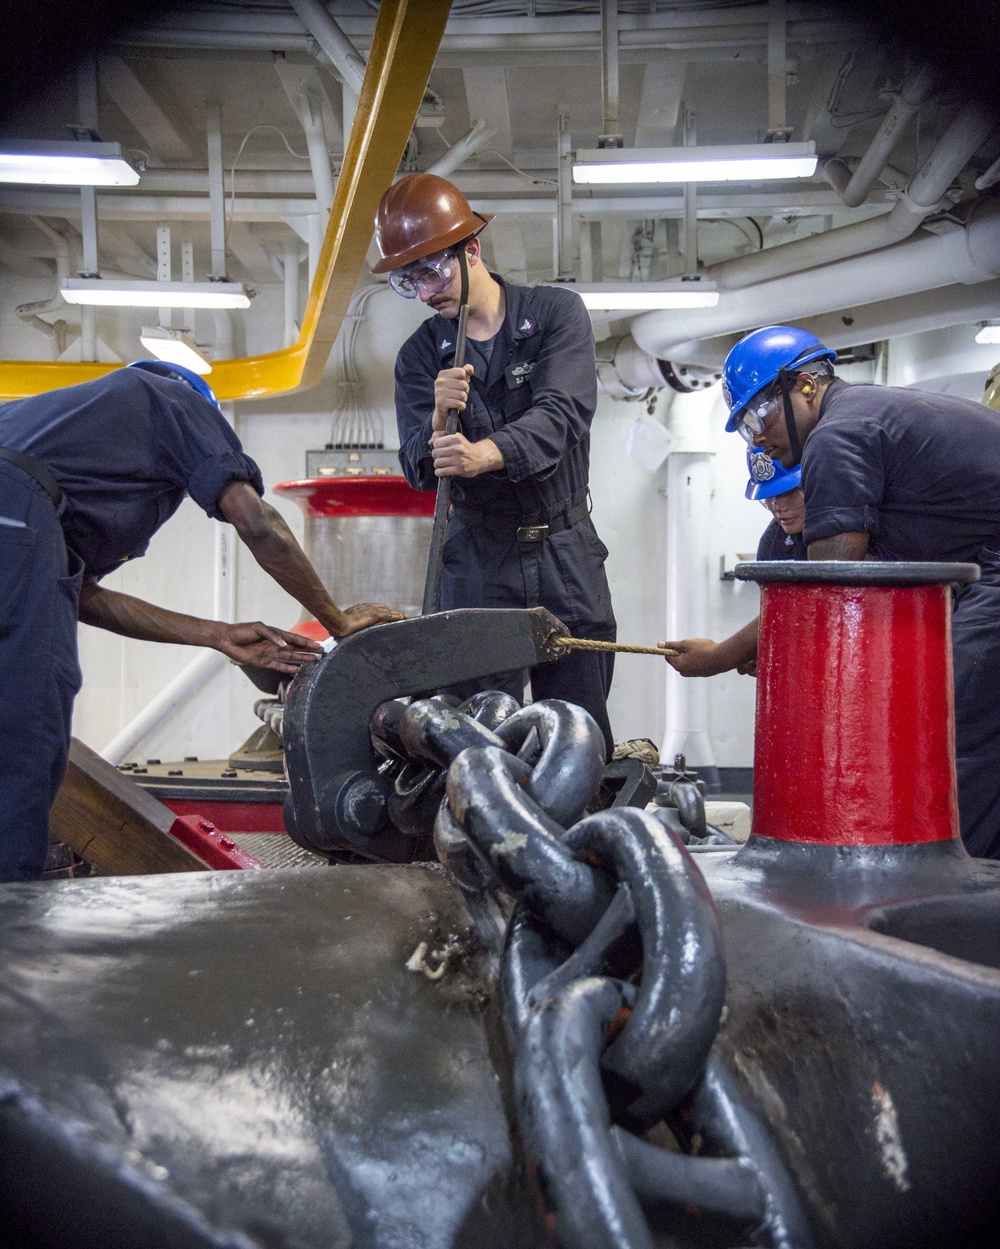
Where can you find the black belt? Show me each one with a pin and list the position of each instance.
(39, 472)
(516, 527)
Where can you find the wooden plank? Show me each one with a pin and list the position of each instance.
(113, 824)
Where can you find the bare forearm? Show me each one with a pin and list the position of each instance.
(280, 555)
(840, 546)
(133, 618)
(740, 648)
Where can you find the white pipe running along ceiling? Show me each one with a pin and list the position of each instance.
(967, 133)
(939, 309)
(961, 255)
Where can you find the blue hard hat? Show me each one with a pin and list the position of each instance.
(759, 357)
(767, 478)
(179, 374)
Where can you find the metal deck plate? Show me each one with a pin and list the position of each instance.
(242, 1059)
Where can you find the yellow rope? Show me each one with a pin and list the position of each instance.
(588, 644)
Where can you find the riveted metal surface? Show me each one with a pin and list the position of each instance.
(242, 1059)
(855, 723)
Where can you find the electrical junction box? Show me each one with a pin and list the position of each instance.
(353, 462)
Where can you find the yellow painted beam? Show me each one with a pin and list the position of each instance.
(405, 43)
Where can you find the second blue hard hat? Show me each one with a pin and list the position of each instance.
(759, 357)
(767, 478)
(179, 374)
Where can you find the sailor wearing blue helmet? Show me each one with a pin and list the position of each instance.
(87, 475)
(894, 474)
(779, 490)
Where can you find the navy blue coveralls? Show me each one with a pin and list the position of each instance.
(125, 449)
(535, 400)
(776, 544)
(920, 473)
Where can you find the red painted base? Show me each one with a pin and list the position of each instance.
(232, 817)
(855, 722)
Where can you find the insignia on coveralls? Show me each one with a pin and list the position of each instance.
(444, 344)
(528, 326)
(761, 466)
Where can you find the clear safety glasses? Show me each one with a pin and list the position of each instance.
(433, 273)
(757, 417)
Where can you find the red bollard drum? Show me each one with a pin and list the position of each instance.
(855, 736)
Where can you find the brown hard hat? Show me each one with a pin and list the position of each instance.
(419, 215)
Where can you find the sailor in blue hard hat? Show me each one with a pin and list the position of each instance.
(893, 473)
(88, 474)
(773, 373)
(779, 490)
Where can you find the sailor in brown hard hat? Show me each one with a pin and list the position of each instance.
(519, 533)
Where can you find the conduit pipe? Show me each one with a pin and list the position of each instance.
(347, 60)
(912, 95)
(319, 154)
(460, 151)
(938, 309)
(966, 256)
(961, 141)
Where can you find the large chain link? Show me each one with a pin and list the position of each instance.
(613, 975)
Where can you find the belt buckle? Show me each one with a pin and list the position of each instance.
(532, 533)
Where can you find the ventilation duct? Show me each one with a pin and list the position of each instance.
(961, 255)
(625, 371)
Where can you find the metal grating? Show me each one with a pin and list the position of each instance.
(277, 850)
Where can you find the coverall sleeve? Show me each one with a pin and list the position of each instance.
(844, 478)
(564, 396)
(414, 410)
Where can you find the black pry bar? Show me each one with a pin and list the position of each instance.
(435, 559)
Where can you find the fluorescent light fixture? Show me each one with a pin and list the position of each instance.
(645, 296)
(109, 293)
(988, 334)
(174, 346)
(65, 164)
(757, 162)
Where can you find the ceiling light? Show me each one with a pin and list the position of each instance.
(758, 162)
(988, 334)
(65, 164)
(108, 293)
(174, 346)
(646, 296)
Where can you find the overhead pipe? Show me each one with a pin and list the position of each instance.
(311, 114)
(913, 93)
(462, 149)
(937, 309)
(487, 190)
(967, 133)
(611, 134)
(347, 60)
(964, 255)
(220, 29)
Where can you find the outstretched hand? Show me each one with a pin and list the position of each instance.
(364, 615)
(696, 657)
(265, 647)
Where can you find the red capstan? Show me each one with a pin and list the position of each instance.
(855, 738)
(362, 495)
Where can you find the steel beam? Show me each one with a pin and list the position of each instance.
(405, 42)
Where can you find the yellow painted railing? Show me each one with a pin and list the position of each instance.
(405, 43)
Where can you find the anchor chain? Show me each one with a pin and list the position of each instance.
(612, 975)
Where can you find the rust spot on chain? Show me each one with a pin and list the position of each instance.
(622, 1015)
